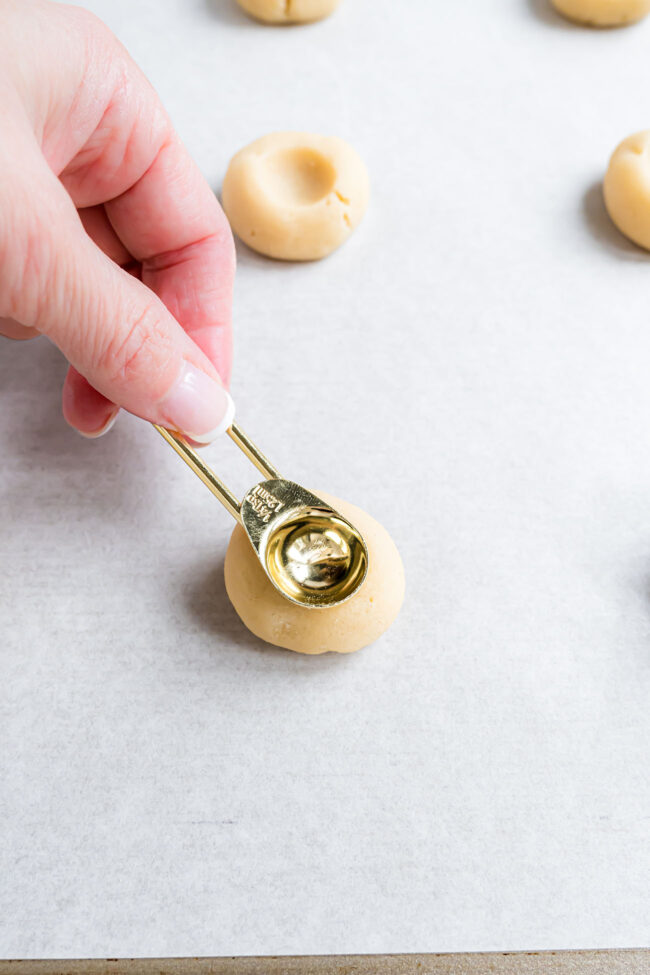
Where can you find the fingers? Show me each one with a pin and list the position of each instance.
(167, 275)
(124, 341)
(156, 346)
(90, 413)
(171, 221)
(99, 229)
(84, 408)
(195, 282)
(115, 332)
(161, 210)
(14, 330)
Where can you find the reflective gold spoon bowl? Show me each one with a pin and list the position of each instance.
(313, 555)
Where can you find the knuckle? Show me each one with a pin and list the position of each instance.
(143, 353)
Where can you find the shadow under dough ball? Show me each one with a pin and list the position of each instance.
(603, 13)
(295, 196)
(288, 11)
(626, 188)
(345, 628)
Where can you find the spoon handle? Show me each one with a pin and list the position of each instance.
(214, 484)
(253, 453)
(196, 463)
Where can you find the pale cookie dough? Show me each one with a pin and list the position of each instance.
(626, 188)
(603, 13)
(288, 11)
(343, 629)
(295, 196)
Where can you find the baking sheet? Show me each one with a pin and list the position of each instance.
(478, 779)
(627, 962)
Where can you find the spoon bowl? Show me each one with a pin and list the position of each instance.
(312, 555)
(309, 551)
(315, 557)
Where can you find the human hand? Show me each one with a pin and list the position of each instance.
(111, 242)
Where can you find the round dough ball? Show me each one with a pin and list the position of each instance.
(343, 629)
(626, 188)
(603, 13)
(288, 11)
(295, 196)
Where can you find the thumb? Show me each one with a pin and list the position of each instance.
(115, 332)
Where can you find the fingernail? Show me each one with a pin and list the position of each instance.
(94, 434)
(198, 406)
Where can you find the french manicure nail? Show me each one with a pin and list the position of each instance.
(94, 434)
(198, 406)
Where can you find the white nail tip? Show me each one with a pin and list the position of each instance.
(228, 417)
(102, 430)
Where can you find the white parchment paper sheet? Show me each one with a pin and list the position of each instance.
(473, 369)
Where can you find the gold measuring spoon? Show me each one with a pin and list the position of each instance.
(312, 554)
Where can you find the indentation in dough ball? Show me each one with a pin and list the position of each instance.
(345, 628)
(298, 177)
(295, 196)
(626, 188)
(603, 13)
(288, 11)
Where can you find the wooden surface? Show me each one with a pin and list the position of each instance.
(628, 962)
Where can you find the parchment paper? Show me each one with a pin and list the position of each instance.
(472, 368)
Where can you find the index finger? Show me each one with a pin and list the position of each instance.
(171, 221)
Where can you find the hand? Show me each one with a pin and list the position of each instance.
(111, 242)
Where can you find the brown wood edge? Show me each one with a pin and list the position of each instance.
(617, 962)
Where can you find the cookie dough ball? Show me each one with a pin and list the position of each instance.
(343, 629)
(288, 11)
(627, 188)
(295, 196)
(603, 13)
